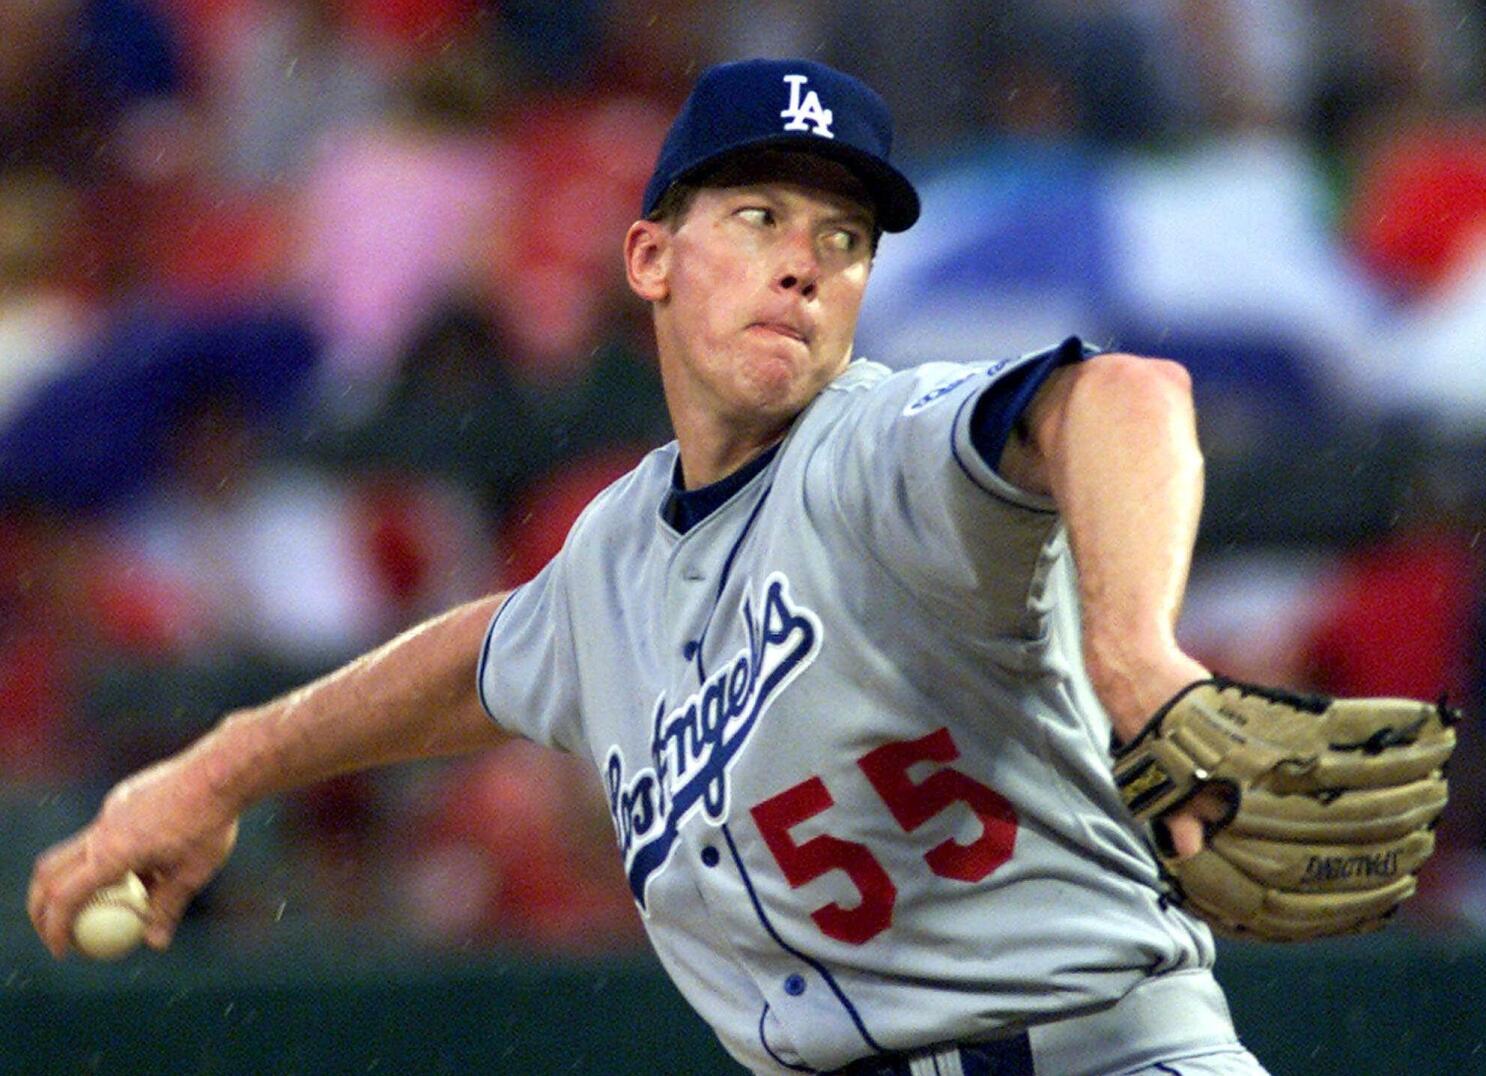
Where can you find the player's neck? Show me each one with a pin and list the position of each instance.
(715, 437)
(714, 443)
(711, 456)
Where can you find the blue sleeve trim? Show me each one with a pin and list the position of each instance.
(1003, 402)
(971, 467)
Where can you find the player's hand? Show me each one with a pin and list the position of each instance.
(1132, 684)
(1186, 826)
(165, 824)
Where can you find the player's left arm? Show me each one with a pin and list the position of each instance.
(1113, 440)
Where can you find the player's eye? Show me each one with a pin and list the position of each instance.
(756, 214)
(843, 240)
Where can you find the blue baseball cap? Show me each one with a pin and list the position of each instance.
(786, 104)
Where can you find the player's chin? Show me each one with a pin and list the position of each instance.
(774, 378)
(786, 374)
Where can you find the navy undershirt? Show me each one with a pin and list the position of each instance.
(685, 508)
(996, 415)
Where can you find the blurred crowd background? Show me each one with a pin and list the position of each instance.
(313, 323)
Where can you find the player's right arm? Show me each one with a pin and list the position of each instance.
(175, 822)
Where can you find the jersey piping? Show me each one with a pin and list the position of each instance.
(758, 909)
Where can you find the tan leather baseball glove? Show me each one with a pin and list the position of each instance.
(1332, 803)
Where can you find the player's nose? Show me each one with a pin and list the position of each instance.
(798, 269)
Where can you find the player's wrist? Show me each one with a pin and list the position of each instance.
(225, 763)
(1134, 681)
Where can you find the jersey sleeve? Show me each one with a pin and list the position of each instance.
(527, 672)
(1003, 402)
(914, 481)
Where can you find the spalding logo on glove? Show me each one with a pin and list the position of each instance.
(1332, 803)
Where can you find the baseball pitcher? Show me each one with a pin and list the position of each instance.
(878, 670)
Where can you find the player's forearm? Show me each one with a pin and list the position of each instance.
(1127, 473)
(414, 697)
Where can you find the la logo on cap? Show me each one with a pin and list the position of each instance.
(802, 114)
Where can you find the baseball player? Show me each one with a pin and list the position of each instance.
(848, 656)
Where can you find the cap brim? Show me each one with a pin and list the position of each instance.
(893, 196)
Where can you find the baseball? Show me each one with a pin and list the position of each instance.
(112, 923)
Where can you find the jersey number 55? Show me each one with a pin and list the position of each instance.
(912, 804)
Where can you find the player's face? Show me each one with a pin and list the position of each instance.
(763, 287)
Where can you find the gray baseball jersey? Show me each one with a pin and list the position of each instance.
(859, 778)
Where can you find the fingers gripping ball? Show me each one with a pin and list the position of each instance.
(112, 922)
(1332, 803)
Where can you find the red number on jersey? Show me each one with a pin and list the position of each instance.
(914, 804)
(805, 862)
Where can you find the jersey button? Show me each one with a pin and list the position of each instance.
(710, 856)
(794, 986)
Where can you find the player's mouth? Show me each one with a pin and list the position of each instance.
(779, 328)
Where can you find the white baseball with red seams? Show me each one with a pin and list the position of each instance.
(113, 920)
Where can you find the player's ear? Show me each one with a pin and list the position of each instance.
(647, 259)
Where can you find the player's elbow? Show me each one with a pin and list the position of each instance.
(1120, 402)
(1129, 404)
(1136, 381)
(1135, 393)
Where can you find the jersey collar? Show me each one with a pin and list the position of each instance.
(684, 508)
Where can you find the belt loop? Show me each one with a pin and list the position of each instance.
(944, 1062)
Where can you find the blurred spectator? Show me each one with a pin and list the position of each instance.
(517, 848)
(1418, 209)
(1376, 60)
(1406, 616)
(1224, 257)
(239, 575)
(581, 162)
(396, 214)
(1437, 352)
(169, 229)
(97, 99)
(613, 399)
(426, 542)
(1251, 61)
(280, 560)
(272, 76)
(44, 313)
(69, 70)
(223, 582)
(1219, 253)
(45, 641)
(94, 432)
(453, 410)
(1416, 217)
